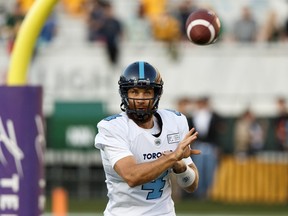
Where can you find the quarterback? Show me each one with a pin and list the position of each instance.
(141, 148)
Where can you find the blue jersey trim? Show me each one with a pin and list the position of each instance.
(109, 118)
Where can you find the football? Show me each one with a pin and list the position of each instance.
(203, 27)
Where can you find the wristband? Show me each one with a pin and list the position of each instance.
(185, 179)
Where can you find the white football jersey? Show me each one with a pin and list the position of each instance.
(118, 137)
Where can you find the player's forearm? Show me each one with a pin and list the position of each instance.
(147, 172)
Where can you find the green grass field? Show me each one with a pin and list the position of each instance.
(184, 208)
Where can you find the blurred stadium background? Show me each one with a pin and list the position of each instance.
(80, 88)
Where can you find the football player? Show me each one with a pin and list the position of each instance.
(142, 147)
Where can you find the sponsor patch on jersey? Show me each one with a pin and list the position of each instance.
(173, 138)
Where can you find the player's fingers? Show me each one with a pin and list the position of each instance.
(191, 139)
(195, 152)
(195, 135)
(189, 133)
(186, 142)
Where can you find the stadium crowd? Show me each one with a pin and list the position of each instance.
(159, 20)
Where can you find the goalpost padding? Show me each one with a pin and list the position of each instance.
(22, 143)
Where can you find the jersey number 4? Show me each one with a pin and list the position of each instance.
(155, 187)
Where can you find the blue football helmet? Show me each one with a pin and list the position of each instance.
(141, 75)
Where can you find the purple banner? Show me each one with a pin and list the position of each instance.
(22, 143)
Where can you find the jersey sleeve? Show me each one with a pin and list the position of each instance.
(111, 138)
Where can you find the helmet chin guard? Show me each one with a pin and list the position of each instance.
(141, 75)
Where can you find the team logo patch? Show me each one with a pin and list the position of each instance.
(173, 138)
(157, 142)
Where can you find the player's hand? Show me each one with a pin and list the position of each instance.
(183, 149)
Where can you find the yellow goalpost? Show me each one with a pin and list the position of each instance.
(26, 39)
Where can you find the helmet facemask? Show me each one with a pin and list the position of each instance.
(129, 104)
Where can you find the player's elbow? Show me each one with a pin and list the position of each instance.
(131, 179)
(132, 182)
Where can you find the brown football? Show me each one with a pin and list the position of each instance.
(203, 27)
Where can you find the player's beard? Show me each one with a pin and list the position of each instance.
(140, 119)
(140, 116)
